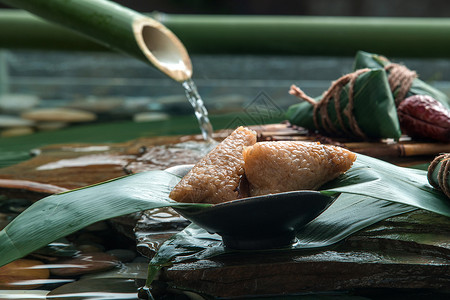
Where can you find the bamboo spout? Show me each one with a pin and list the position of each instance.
(162, 48)
(119, 28)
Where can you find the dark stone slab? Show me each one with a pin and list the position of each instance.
(408, 252)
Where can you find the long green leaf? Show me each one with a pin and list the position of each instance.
(381, 180)
(59, 215)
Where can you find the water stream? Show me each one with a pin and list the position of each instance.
(199, 108)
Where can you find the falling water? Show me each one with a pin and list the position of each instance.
(200, 110)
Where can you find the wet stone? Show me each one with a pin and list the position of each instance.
(14, 205)
(7, 121)
(15, 103)
(90, 248)
(150, 117)
(89, 238)
(409, 252)
(115, 288)
(128, 270)
(17, 131)
(59, 115)
(98, 226)
(4, 220)
(23, 274)
(155, 227)
(47, 126)
(141, 259)
(96, 104)
(84, 264)
(59, 248)
(124, 255)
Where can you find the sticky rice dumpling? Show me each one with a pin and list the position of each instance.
(240, 164)
(216, 177)
(274, 167)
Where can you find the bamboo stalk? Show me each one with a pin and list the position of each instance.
(399, 150)
(313, 35)
(404, 37)
(115, 27)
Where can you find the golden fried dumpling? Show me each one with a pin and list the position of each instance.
(216, 177)
(274, 167)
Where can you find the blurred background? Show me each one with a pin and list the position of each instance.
(111, 87)
(381, 8)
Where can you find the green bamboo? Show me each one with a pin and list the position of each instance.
(416, 37)
(115, 27)
(405, 37)
(22, 30)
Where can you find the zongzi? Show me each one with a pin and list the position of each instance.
(403, 82)
(275, 167)
(358, 105)
(239, 163)
(216, 177)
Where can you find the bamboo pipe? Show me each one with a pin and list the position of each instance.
(404, 37)
(116, 27)
(398, 150)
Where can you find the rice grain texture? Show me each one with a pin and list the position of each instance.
(216, 177)
(275, 167)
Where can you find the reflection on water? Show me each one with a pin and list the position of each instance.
(95, 296)
(96, 262)
(39, 282)
(23, 295)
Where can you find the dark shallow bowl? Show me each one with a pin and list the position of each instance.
(262, 222)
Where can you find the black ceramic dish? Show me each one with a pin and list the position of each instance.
(262, 222)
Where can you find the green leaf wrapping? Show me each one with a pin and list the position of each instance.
(439, 173)
(374, 108)
(418, 87)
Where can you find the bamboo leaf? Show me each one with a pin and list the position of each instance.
(59, 215)
(381, 180)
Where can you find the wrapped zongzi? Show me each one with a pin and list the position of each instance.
(439, 173)
(404, 82)
(358, 105)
